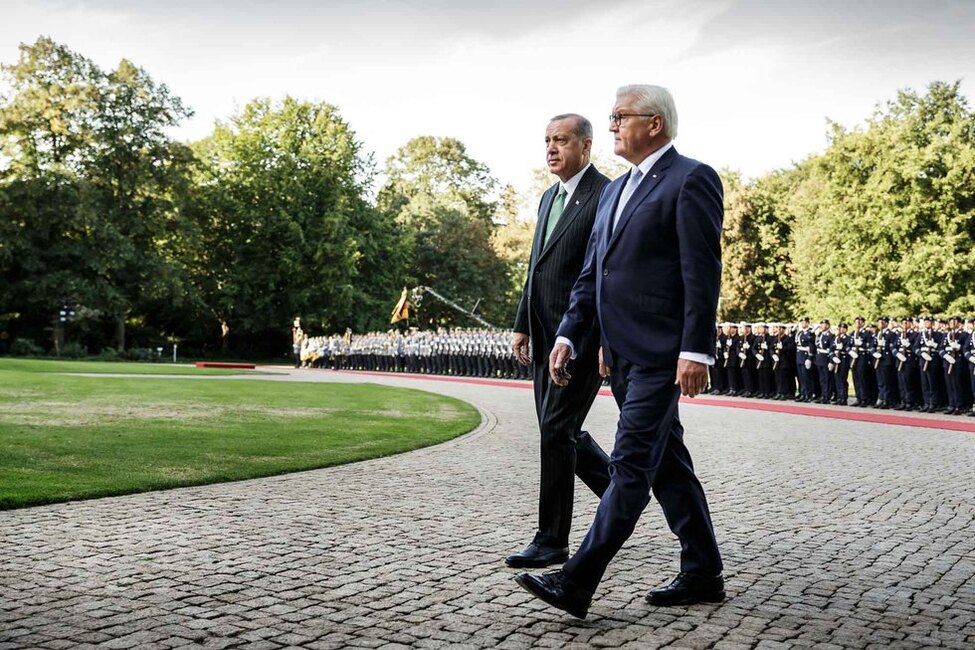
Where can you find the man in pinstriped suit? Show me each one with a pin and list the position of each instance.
(565, 219)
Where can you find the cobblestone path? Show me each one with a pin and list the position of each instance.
(834, 533)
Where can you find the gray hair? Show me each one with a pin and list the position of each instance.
(583, 127)
(656, 100)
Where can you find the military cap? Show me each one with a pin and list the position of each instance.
(907, 319)
(843, 325)
(860, 318)
(824, 322)
(882, 318)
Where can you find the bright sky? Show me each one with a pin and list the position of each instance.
(754, 81)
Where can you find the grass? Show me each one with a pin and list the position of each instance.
(114, 367)
(66, 437)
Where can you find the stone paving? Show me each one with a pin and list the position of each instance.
(835, 534)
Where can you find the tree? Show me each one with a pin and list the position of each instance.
(88, 184)
(445, 201)
(756, 281)
(285, 229)
(884, 220)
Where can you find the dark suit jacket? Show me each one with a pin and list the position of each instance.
(653, 283)
(554, 268)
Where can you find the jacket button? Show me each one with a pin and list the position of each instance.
(605, 271)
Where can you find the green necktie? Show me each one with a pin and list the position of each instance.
(553, 215)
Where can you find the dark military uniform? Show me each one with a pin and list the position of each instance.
(908, 379)
(953, 343)
(805, 354)
(842, 344)
(929, 353)
(824, 352)
(784, 365)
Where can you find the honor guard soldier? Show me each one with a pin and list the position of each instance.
(762, 350)
(883, 363)
(824, 363)
(805, 354)
(747, 357)
(732, 348)
(969, 353)
(842, 344)
(907, 368)
(296, 336)
(864, 382)
(784, 363)
(929, 353)
(953, 343)
(717, 371)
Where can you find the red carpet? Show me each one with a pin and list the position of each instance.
(791, 408)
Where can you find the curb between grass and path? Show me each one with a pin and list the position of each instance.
(828, 412)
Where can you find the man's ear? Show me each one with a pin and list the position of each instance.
(587, 146)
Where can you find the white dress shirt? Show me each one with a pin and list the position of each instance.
(570, 185)
(644, 167)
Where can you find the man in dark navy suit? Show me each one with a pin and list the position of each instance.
(650, 283)
(565, 217)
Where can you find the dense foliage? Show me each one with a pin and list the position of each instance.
(220, 243)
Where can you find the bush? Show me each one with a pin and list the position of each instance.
(25, 348)
(73, 350)
(108, 354)
(140, 354)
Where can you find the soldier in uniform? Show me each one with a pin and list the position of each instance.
(718, 373)
(860, 364)
(746, 355)
(784, 363)
(907, 368)
(823, 361)
(842, 344)
(883, 364)
(969, 364)
(296, 336)
(928, 352)
(953, 343)
(762, 347)
(805, 353)
(732, 348)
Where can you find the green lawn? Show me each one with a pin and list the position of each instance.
(66, 437)
(115, 367)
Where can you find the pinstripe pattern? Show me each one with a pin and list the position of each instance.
(565, 450)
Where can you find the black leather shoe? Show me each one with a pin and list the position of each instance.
(557, 590)
(687, 589)
(536, 556)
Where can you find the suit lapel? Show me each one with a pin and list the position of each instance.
(652, 179)
(547, 199)
(577, 202)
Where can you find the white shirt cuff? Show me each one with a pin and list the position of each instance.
(697, 356)
(572, 348)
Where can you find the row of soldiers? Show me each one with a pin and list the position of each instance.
(925, 364)
(456, 352)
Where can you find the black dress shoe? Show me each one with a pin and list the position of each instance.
(536, 556)
(687, 589)
(557, 590)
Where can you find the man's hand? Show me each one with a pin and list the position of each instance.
(691, 375)
(519, 345)
(557, 364)
(603, 368)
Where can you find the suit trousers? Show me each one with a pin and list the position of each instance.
(649, 456)
(566, 450)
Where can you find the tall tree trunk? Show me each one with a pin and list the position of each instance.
(120, 333)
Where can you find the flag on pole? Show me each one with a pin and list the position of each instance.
(402, 309)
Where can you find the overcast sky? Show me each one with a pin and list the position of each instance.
(754, 81)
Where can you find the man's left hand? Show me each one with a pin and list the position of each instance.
(691, 376)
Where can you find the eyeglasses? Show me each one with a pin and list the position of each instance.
(617, 118)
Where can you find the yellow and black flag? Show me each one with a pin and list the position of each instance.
(402, 309)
